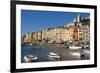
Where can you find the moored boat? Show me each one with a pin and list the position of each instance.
(75, 47)
(30, 58)
(54, 55)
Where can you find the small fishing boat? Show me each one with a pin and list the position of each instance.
(30, 58)
(78, 53)
(54, 55)
(75, 47)
(30, 44)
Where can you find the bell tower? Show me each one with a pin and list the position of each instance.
(78, 18)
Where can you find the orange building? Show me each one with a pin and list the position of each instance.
(75, 34)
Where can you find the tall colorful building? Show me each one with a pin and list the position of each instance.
(76, 31)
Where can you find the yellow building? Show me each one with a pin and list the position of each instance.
(84, 33)
(69, 33)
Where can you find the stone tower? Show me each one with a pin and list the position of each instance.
(78, 18)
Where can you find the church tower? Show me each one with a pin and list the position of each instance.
(78, 18)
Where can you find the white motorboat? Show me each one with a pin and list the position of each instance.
(54, 55)
(30, 44)
(78, 54)
(75, 47)
(30, 58)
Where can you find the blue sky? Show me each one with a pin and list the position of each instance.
(33, 20)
